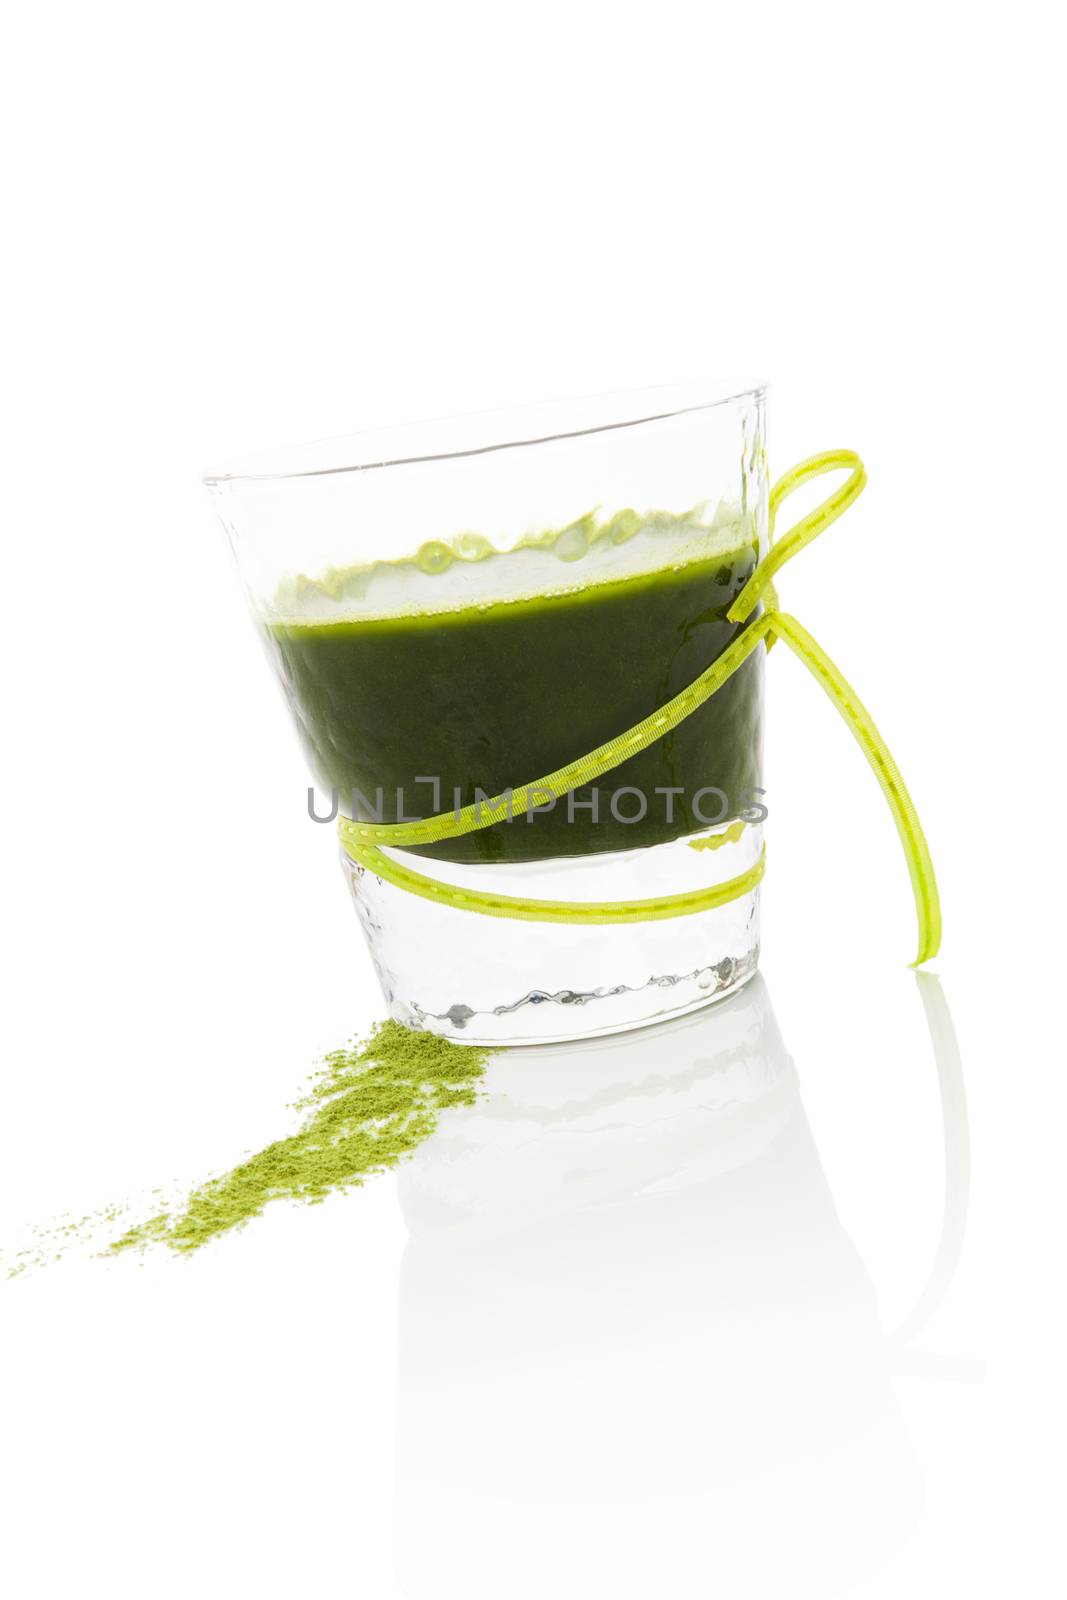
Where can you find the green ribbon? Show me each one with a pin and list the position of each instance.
(362, 841)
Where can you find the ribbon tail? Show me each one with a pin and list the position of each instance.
(862, 727)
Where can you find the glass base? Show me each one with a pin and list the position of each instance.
(497, 981)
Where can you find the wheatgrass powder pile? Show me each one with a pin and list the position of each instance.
(367, 1108)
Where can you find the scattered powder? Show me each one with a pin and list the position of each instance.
(369, 1106)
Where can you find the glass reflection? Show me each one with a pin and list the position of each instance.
(637, 1351)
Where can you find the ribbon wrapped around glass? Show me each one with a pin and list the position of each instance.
(525, 655)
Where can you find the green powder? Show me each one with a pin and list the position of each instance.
(369, 1106)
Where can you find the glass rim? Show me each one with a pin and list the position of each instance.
(528, 424)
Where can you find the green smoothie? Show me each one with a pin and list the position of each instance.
(485, 695)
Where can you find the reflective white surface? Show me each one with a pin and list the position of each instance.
(683, 1310)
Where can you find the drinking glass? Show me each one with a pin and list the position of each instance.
(457, 608)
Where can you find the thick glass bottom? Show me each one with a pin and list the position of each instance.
(497, 981)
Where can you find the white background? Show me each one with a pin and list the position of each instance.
(231, 226)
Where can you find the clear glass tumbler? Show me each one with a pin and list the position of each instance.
(460, 607)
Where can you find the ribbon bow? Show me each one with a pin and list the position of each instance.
(362, 841)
